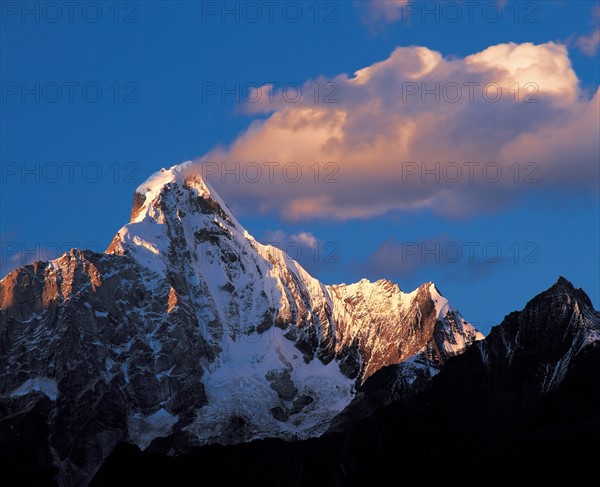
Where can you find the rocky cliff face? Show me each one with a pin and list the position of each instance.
(537, 347)
(424, 324)
(186, 332)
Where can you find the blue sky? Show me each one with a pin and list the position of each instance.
(72, 156)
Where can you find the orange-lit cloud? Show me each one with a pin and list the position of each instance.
(394, 135)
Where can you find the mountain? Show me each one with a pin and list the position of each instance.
(188, 332)
(519, 406)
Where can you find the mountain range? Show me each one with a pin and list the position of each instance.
(188, 345)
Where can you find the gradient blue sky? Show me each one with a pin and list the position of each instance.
(160, 63)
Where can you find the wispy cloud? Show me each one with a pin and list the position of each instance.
(376, 12)
(457, 259)
(589, 44)
(312, 253)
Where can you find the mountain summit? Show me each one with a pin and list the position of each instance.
(187, 332)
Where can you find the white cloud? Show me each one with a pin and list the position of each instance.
(280, 239)
(313, 254)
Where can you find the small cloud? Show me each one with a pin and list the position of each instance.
(294, 244)
(374, 12)
(273, 237)
(16, 254)
(306, 238)
(304, 248)
(377, 13)
(589, 44)
(457, 259)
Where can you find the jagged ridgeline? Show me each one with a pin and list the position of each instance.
(188, 332)
(519, 406)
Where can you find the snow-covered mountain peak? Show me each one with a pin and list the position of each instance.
(176, 216)
(205, 334)
(182, 176)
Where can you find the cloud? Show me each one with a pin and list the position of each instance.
(377, 13)
(280, 239)
(457, 136)
(312, 253)
(18, 254)
(374, 12)
(588, 44)
(457, 259)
